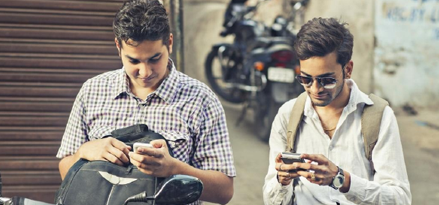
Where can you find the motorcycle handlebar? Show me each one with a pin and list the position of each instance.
(303, 2)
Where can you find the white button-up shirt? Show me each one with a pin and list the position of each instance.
(388, 185)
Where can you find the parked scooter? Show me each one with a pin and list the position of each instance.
(258, 69)
(177, 189)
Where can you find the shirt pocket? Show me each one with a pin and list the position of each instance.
(180, 143)
(99, 132)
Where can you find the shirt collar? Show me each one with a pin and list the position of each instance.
(165, 91)
(169, 86)
(356, 98)
(120, 83)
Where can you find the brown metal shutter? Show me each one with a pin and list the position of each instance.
(48, 48)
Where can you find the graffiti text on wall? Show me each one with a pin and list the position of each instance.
(416, 14)
(404, 14)
(436, 33)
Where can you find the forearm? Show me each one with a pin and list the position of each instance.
(218, 187)
(65, 164)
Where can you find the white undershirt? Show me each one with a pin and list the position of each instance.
(389, 185)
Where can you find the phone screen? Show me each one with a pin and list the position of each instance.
(289, 158)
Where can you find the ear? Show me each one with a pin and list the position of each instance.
(171, 41)
(117, 45)
(349, 68)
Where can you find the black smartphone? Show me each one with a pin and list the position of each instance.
(289, 157)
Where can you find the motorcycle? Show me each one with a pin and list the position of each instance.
(258, 69)
(286, 26)
(177, 189)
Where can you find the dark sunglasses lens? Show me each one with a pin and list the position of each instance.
(327, 81)
(304, 80)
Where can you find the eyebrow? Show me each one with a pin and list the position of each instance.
(322, 75)
(154, 56)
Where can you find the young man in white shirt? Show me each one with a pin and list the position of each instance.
(329, 137)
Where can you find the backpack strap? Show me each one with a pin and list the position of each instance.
(296, 117)
(370, 123)
(294, 122)
(370, 126)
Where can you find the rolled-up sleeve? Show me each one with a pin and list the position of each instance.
(213, 148)
(75, 133)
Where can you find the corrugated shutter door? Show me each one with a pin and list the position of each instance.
(48, 48)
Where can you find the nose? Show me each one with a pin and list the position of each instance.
(144, 70)
(316, 87)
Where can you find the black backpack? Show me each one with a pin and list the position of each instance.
(105, 183)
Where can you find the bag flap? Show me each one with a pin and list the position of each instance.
(138, 133)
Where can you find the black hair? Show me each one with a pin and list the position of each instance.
(321, 36)
(140, 20)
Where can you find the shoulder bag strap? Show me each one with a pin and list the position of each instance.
(294, 122)
(370, 123)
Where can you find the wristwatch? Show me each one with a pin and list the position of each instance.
(338, 180)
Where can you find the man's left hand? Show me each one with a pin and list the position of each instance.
(154, 161)
(324, 170)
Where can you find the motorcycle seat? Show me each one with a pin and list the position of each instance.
(264, 42)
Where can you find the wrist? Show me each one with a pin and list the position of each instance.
(178, 167)
(338, 180)
(81, 153)
(347, 183)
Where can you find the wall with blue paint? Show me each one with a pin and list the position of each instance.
(406, 67)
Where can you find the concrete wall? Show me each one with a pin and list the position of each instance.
(406, 68)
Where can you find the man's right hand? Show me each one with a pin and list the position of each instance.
(107, 149)
(286, 172)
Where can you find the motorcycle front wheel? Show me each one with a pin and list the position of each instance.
(222, 75)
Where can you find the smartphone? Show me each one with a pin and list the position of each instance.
(138, 145)
(289, 157)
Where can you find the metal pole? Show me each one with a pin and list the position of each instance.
(0, 185)
(175, 12)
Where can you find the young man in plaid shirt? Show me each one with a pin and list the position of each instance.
(149, 90)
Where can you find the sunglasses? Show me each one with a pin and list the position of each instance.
(325, 82)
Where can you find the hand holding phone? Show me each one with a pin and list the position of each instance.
(289, 158)
(138, 145)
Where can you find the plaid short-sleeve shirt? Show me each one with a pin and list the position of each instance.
(184, 110)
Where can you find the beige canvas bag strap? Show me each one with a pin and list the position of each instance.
(370, 123)
(294, 122)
